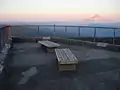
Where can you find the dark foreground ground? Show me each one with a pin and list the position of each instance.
(31, 68)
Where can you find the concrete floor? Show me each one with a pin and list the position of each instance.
(33, 69)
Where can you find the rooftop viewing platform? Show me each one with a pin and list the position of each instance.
(30, 67)
(60, 45)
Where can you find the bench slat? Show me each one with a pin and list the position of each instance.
(49, 43)
(65, 56)
(70, 55)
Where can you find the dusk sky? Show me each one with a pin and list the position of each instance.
(58, 9)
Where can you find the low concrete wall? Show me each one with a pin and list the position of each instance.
(107, 46)
(113, 47)
(3, 55)
(71, 42)
(25, 39)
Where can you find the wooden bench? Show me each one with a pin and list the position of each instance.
(100, 44)
(46, 38)
(48, 45)
(66, 59)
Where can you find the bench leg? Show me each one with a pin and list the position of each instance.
(67, 67)
(44, 47)
(50, 49)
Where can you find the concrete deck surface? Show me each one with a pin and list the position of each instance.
(33, 69)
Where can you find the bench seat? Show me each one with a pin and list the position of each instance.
(48, 45)
(66, 59)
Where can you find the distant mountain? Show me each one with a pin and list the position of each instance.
(44, 22)
(98, 24)
(95, 20)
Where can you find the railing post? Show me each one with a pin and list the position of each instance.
(94, 39)
(38, 30)
(66, 30)
(114, 36)
(54, 31)
(79, 31)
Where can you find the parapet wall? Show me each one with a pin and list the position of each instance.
(70, 42)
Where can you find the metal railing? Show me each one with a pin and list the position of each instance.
(112, 34)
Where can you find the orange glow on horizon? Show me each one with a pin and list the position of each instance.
(65, 10)
(59, 16)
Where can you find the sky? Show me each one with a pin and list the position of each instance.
(64, 10)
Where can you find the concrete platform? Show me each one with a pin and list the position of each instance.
(33, 69)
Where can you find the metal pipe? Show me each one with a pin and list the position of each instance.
(38, 30)
(114, 36)
(69, 26)
(54, 30)
(79, 31)
(80, 26)
(66, 29)
(94, 39)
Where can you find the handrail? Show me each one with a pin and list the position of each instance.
(70, 26)
(66, 30)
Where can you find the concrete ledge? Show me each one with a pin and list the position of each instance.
(2, 57)
(71, 42)
(112, 47)
(25, 39)
(6, 48)
(88, 43)
(4, 52)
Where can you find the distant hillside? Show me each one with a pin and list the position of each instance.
(115, 25)
(29, 31)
